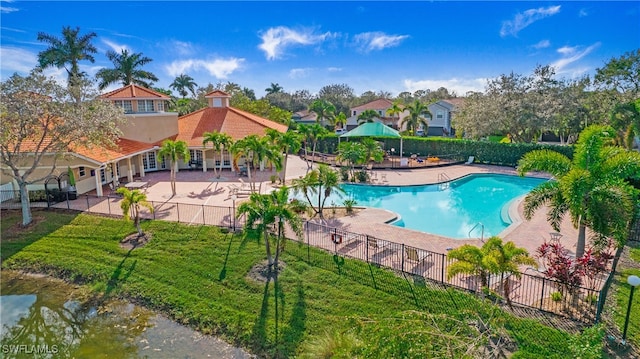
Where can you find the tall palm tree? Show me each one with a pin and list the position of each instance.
(273, 89)
(68, 50)
(174, 150)
(131, 203)
(182, 83)
(471, 260)
(367, 116)
(126, 70)
(593, 188)
(505, 259)
(311, 134)
(220, 142)
(418, 113)
(324, 110)
(355, 153)
(289, 141)
(394, 111)
(373, 150)
(263, 211)
(308, 186)
(328, 182)
(256, 150)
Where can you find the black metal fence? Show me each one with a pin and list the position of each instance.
(529, 289)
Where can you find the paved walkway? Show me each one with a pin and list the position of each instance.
(204, 188)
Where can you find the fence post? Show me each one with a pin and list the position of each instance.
(178, 210)
(442, 269)
(544, 281)
(68, 204)
(154, 210)
(109, 204)
(308, 243)
(88, 208)
(403, 251)
(203, 217)
(366, 246)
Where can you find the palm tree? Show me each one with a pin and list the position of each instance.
(394, 111)
(126, 70)
(174, 150)
(220, 141)
(470, 260)
(328, 182)
(289, 141)
(372, 149)
(593, 188)
(255, 150)
(505, 259)
(273, 89)
(307, 185)
(418, 113)
(312, 134)
(340, 121)
(367, 116)
(131, 203)
(354, 153)
(182, 83)
(323, 109)
(68, 50)
(263, 211)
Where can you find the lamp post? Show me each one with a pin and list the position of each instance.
(634, 281)
(233, 199)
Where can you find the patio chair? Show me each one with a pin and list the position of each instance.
(470, 160)
(416, 255)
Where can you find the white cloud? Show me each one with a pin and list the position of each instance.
(542, 44)
(460, 86)
(11, 29)
(17, 60)
(583, 12)
(369, 41)
(524, 19)
(7, 10)
(182, 48)
(276, 39)
(334, 69)
(569, 56)
(115, 47)
(220, 68)
(299, 73)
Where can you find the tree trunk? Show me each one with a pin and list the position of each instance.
(268, 249)
(24, 201)
(284, 168)
(582, 231)
(221, 161)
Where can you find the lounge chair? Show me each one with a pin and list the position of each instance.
(416, 255)
(470, 160)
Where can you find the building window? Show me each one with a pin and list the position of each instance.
(380, 112)
(81, 171)
(125, 105)
(217, 102)
(160, 106)
(145, 105)
(196, 155)
(227, 163)
(439, 114)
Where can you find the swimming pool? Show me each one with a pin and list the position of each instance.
(452, 209)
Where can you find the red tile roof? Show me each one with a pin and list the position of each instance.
(236, 123)
(379, 104)
(134, 92)
(217, 93)
(124, 148)
(457, 102)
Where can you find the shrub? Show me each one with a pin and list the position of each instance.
(348, 205)
(556, 296)
(362, 176)
(344, 173)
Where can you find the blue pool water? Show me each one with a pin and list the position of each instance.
(450, 210)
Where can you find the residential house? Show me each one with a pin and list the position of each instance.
(442, 113)
(147, 126)
(380, 106)
(305, 117)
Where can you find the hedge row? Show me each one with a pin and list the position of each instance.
(505, 154)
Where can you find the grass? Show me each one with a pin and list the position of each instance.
(198, 276)
(622, 292)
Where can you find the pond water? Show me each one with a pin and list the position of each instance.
(43, 318)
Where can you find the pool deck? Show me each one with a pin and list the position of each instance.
(204, 188)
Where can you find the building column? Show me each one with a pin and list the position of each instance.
(141, 165)
(129, 170)
(204, 161)
(98, 183)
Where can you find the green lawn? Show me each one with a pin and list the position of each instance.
(198, 276)
(622, 291)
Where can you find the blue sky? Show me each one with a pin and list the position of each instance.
(380, 45)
